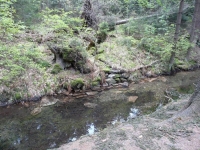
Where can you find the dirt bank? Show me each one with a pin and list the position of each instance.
(146, 132)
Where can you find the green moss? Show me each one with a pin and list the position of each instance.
(18, 96)
(56, 69)
(117, 76)
(95, 83)
(77, 82)
(117, 79)
(106, 70)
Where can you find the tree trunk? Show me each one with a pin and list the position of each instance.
(195, 28)
(178, 23)
(88, 15)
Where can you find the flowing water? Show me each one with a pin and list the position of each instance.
(66, 121)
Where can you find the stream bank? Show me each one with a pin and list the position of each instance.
(72, 117)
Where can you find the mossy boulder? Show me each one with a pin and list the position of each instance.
(71, 54)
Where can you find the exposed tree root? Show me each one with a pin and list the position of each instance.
(192, 108)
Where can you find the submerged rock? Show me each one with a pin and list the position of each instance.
(47, 101)
(90, 105)
(36, 111)
(132, 99)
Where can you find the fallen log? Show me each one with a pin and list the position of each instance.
(148, 16)
(122, 70)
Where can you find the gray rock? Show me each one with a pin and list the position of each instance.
(131, 78)
(123, 80)
(110, 81)
(117, 71)
(111, 75)
(124, 84)
(105, 85)
(125, 75)
(96, 88)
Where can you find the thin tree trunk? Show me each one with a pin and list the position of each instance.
(195, 28)
(176, 35)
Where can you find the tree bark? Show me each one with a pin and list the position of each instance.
(176, 35)
(88, 15)
(195, 28)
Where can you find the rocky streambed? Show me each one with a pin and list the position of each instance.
(64, 118)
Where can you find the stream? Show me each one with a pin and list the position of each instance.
(66, 121)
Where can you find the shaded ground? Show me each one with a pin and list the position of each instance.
(150, 132)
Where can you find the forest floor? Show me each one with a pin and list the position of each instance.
(149, 132)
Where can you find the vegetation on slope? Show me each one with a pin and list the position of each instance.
(141, 47)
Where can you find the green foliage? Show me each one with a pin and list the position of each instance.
(59, 19)
(133, 28)
(16, 59)
(7, 25)
(103, 27)
(56, 69)
(128, 41)
(27, 11)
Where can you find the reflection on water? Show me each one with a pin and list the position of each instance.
(91, 129)
(59, 124)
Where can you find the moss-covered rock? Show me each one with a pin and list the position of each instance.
(18, 96)
(117, 80)
(77, 83)
(71, 54)
(56, 69)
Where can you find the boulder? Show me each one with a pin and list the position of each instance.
(125, 75)
(111, 81)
